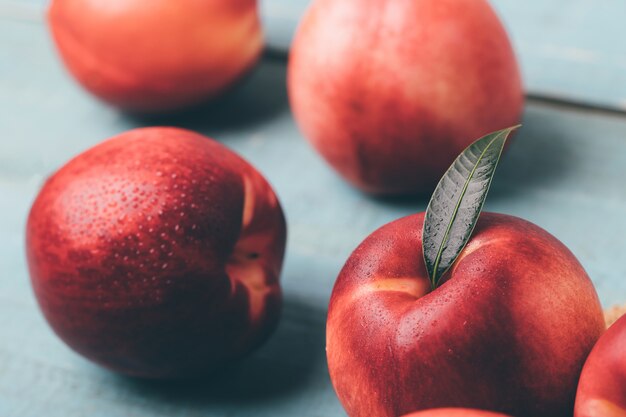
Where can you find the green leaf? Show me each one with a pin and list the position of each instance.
(456, 204)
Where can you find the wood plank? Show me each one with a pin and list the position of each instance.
(571, 50)
(564, 172)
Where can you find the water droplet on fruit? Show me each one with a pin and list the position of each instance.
(164, 266)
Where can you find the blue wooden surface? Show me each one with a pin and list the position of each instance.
(564, 172)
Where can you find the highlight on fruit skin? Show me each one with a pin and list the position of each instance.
(157, 254)
(601, 389)
(496, 334)
(389, 92)
(156, 55)
(455, 412)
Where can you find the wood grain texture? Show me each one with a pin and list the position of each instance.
(564, 171)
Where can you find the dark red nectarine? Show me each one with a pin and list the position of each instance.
(156, 55)
(391, 91)
(157, 254)
(508, 330)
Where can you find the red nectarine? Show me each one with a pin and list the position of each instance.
(508, 329)
(391, 91)
(602, 386)
(157, 254)
(454, 412)
(156, 55)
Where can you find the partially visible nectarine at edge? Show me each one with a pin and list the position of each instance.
(454, 412)
(602, 386)
(156, 55)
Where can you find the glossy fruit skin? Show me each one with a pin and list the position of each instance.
(602, 387)
(391, 91)
(454, 412)
(156, 55)
(157, 254)
(508, 330)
